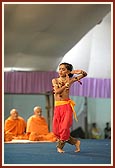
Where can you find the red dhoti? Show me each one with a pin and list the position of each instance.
(62, 120)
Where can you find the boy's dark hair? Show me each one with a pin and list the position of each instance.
(69, 67)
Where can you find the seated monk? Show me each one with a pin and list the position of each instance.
(37, 127)
(15, 127)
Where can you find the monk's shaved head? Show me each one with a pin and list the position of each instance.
(13, 111)
(38, 111)
(37, 107)
(14, 114)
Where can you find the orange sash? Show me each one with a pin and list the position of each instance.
(71, 102)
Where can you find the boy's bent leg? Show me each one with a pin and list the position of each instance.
(60, 146)
(76, 142)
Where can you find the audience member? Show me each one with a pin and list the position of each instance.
(107, 131)
(37, 127)
(95, 131)
(15, 127)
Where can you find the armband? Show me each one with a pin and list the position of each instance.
(78, 80)
(55, 85)
(67, 85)
(83, 73)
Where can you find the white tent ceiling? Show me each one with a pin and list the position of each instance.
(37, 36)
(93, 52)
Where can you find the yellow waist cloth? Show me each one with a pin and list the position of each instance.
(71, 102)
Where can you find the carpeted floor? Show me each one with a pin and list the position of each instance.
(94, 152)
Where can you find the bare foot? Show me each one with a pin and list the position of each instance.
(60, 150)
(77, 146)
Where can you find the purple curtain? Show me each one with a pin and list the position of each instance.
(40, 82)
(92, 87)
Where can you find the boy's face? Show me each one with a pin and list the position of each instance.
(63, 71)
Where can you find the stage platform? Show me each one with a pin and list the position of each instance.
(93, 152)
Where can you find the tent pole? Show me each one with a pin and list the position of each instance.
(48, 107)
(86, 121)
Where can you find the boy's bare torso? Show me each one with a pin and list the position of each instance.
(64, 95)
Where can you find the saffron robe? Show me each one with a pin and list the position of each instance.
(15, 129)
(38, 129)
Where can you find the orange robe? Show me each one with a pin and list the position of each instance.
(38, 129)
(15, 129)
